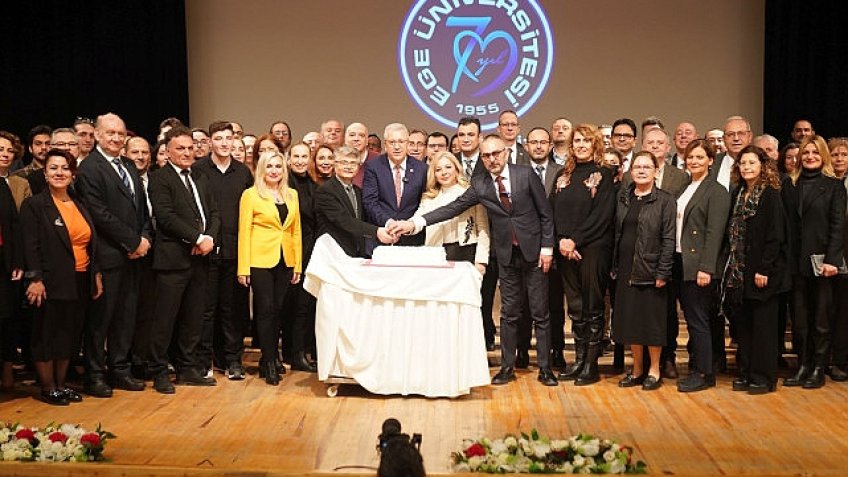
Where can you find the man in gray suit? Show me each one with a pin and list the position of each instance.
(508, 130)
(522, 234)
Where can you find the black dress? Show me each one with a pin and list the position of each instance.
(640, 311)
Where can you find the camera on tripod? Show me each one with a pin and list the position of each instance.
(391, 434)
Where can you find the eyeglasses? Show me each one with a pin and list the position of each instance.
(538, 143)
(82, 119)
(623, 136)
(493, 154)
(348, 163)
(416, 143)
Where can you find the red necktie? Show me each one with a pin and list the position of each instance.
(397, 183)
(507, 204)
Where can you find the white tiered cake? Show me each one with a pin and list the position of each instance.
(409, 256)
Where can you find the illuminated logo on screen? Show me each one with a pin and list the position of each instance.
(475, 57)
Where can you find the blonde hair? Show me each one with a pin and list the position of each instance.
(821, 147)
(433, 186)
(259, 183)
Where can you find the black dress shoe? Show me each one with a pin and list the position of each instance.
(54, 398)
(815, 380)
(798, 378)
(741, 384)
(547, 377)
(669, 370)
(504, 376)
(162, 384)
(127, 383)
(651, 383)
(281, 369)
(522, 360)
(269, 372)
(98, 389)
(558, 360)
(695, 382)
(71, 395)
(762, 388)
(629, 381)
(300, 363)
(191, 377)
(837, 374)
(490, 346)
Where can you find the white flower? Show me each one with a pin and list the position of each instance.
(616, 467)
(498, 447)
(590, 448)
(511, 442)
(462, 467)
(567, 468)
(541, 449)
(609, 455)
(526, 447)
(579, 460)
(474, 462)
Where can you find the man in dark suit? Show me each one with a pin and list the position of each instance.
(394, 183)
(187, 222)
(539, 146)
(338, 205)
(111, 189)
(508, 129)
(683, 135)
(522, 234)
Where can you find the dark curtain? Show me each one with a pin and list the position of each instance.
(63, 59)
(806, 66)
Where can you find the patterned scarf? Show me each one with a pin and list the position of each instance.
(734, 270)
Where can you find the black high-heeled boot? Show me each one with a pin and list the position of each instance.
(268, 370)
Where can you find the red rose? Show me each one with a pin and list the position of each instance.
(25, 434)
(58, 437)
(476, 449)
(90, 439)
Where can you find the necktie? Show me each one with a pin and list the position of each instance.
(125, 178)
(352, 196)
(397, 183)
(512, 155)
(540, 171)
(507, 204)
(468, 169)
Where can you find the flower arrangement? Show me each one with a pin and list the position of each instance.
(52, 443)
(580, 454)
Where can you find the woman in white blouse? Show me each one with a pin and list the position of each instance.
(466, 236)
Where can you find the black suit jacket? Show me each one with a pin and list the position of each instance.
(815, 223)
(121, 219)
(531, 218)
(178, 222)
(765, 246)
(336, 217)
(47, 247)
(10, 227)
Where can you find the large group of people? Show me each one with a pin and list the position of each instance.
(134, 260)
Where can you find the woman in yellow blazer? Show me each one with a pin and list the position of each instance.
(269, 252)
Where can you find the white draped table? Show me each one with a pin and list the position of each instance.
(397, 330)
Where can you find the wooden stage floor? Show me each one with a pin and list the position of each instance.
(248, 428)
